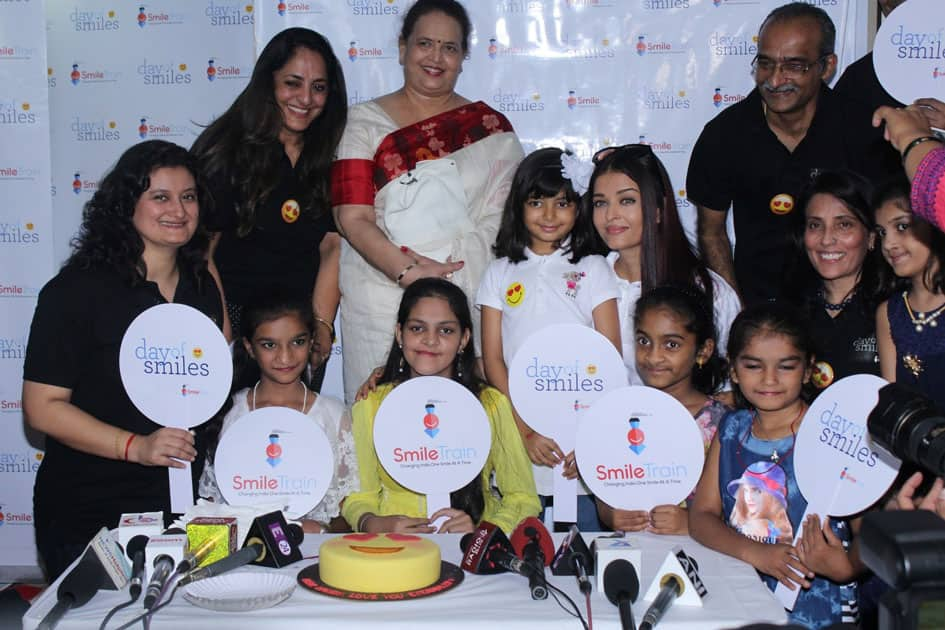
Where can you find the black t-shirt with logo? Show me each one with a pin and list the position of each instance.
(739, 161)
(845, 344)
(80, 319)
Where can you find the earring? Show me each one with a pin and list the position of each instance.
(700, 362)
(459, 364)
(400, 366)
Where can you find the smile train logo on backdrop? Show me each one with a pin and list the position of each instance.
(431, 421)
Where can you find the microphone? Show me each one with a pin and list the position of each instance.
(671, 587)
(622, 586)
(486, 551)
(192, 559)
(163, 565)
(75, 590)
(136, 552)
(249, 553)
(532, 542)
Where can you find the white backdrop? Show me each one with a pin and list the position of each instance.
(577, 73)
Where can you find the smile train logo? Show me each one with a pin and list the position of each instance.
(273, 451)
(431, 421)
(635, 436)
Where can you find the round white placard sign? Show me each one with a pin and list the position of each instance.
(274, 454)
(432, 435)
(638, 447)
(909, 51)
(838, 468)
(175, 365)
(560, 370)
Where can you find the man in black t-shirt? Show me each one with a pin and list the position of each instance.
(759, 154)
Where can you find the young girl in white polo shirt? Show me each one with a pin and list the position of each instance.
(544, 275)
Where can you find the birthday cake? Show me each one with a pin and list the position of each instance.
(379, 563)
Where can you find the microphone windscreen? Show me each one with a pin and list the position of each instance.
(477, 545)
(621, 578)
(137, 545)
(83, 581)
(296, 534)
(532, 529)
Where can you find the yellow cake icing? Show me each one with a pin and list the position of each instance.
(379, 563)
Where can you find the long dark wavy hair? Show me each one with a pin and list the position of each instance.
(666, 257)
(107, 238)
(801, 280)
(693, 308)
(468, 498)
(241, 149)
(539, 176)
(897, 191)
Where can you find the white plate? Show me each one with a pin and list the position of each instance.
(235, 592)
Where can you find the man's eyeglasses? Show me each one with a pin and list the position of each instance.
(792, 68)
(634, 151)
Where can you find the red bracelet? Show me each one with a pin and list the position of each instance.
(131, 438)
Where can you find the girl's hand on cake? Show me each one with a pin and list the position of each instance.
(457, 522)
(543, 451)
(402, 525)
(669, 519)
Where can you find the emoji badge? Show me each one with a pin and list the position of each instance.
(290, 211)
(782, 203)
(591, 369)
(197, 352)
(515, 294)
(822, 375)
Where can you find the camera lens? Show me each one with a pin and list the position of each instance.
(910, 426)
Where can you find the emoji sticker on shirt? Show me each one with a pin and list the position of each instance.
(515, 294)
(290, 211)
(822, 374)
(782, 203)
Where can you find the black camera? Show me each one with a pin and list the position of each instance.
(906, 549)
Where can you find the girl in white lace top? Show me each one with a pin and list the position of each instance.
(277, 338)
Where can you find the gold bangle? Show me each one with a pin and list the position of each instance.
(118, 436)
(403, 273)
(325, 322)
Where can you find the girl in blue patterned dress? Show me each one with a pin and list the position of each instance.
(911, 342)
(747, 503)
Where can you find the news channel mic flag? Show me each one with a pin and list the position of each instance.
(432, 436)
(275, 454)
(909, 51)
(638, 447)
(554, 377)
(177, 369)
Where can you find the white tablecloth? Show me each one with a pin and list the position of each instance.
(736, 596)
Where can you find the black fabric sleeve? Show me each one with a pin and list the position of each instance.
(61, 333)
(707, 180)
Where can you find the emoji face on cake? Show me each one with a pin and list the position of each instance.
(379, 563)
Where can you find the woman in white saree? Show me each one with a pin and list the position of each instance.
(418, 185)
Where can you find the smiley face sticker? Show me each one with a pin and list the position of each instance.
(515, 294)
(290, 211)
(822, 375)
(782, 203)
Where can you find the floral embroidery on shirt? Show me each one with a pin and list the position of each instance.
(573, 279)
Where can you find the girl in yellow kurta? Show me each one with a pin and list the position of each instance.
(433, 337)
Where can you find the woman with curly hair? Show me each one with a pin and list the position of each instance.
(139, 245)
(268, 159)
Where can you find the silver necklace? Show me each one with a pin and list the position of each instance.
(304, 395)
